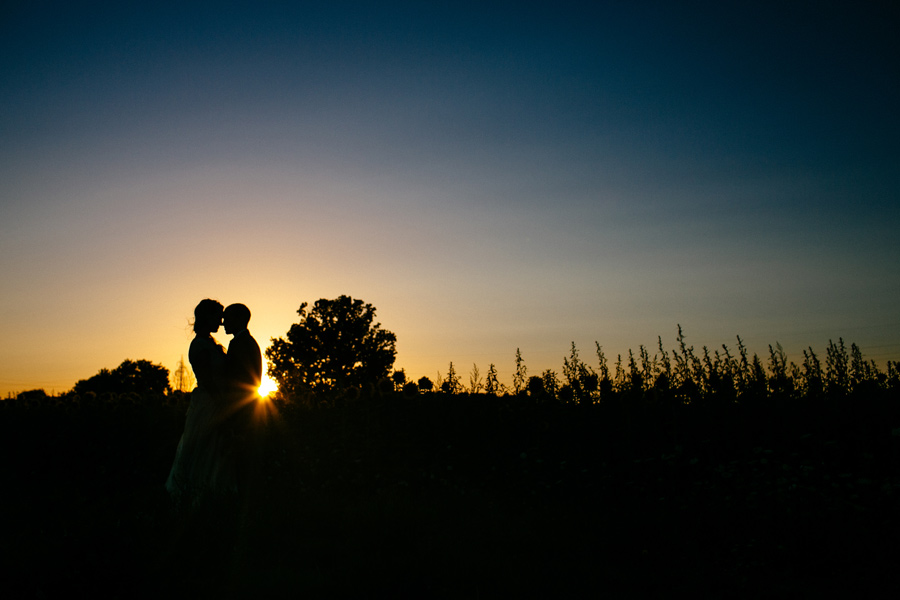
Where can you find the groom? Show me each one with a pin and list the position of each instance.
(243, 371)
(244, 361)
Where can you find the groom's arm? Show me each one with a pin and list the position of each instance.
(257, 362)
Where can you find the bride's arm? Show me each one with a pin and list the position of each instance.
(217, 364)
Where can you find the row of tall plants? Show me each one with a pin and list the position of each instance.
(685, 375)
(681, 375)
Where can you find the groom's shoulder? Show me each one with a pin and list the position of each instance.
(244, 339)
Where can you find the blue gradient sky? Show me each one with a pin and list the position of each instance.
(520, 176)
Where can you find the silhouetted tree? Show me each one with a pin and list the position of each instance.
(183, 378)
(425, 384)
(665, 365)
(535, 386)
(837, 365)
(861, 371)
(334, 346)
(551, 383)
(138, 376)
(451, 385)
(30, 395)
(756, 380)
(780, 383)
(601, 358)
(579, 377)
(521, 375)
(475, 383)
(491, 383)
(399, 379)
(605, 384)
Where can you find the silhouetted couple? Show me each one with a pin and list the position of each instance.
(214, 456)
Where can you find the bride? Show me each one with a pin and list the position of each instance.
(200, 469)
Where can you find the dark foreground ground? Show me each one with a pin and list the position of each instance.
(460, 497)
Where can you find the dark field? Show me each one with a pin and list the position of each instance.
(463, 496)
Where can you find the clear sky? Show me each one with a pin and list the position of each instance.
(490, 176)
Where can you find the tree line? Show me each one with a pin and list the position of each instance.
(337, 348)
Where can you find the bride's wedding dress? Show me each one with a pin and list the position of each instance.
(201, 468)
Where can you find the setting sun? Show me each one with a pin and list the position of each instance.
(267, 386)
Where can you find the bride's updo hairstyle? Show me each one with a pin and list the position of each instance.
(207, 316)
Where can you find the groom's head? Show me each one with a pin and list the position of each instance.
(236, 318)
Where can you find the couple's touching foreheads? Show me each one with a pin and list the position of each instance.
(212, 459)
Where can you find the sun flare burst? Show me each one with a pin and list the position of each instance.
(267, 386)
